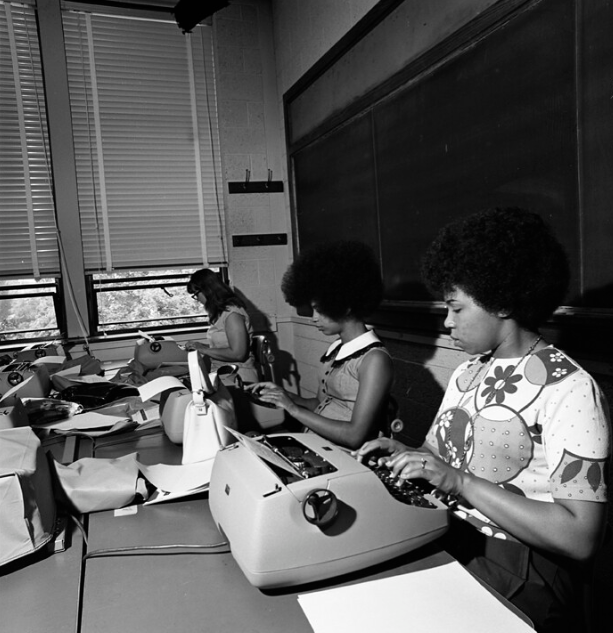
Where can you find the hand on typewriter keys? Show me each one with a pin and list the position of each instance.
(269, 394)
(406, 463)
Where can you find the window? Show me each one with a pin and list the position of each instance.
(145, 300)
(144, 115)
(147, 163)
(28, 309)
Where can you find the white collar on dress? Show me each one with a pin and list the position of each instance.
(353, 346)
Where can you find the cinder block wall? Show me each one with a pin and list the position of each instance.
(252, 145)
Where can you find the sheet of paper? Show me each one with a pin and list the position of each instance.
(264, 452)
(159, 496)
(178, 478)
(437, 600)
(49, 360)
(87, 420)
(155, 387)
(119, 427)
(69, 371)
(89, 379)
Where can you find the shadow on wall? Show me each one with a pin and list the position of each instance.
(259, 320)
(415, 389)
(284, 367)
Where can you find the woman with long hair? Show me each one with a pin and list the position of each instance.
(230, 331)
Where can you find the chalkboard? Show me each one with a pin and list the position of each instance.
(337, 189)
(494, 124)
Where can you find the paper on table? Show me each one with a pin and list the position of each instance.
(150, 338)
(180, 478)
(49, 360)
(69, 371)
(86, 420)
(155, 387)
(438, 600)
(175, 482)
(90, 379)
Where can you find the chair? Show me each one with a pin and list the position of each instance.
(391, 424)
(262, 348)
(263, 418)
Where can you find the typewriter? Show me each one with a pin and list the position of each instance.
(38, 350)
(296, 508)
(28, 380)
(155, 351)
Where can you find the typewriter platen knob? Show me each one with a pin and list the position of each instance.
(14, 378)
(320, 507)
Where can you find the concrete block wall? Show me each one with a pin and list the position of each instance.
(252, 141)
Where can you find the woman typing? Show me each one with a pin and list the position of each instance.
(341, 282)
(229, 334)
(522, 437)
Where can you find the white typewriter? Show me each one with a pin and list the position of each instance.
(153, 352)
(38, 350)
(296, 508)
(24, 380)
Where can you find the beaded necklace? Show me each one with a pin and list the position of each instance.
(449, 447)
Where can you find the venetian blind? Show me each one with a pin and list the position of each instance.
(28, 234)
(144, 115)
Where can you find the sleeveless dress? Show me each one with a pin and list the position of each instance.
(339, 384)
(217, 337)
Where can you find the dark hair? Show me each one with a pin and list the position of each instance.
(342, 278)
(507, 260)
(218, 294)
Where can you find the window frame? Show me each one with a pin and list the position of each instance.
(26, 292)
(166, 281)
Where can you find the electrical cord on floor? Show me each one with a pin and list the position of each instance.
(80, 526)
(98, 553)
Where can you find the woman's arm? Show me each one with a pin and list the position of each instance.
(569, 527)
(262, 389)
(375, 380)
(238, 341)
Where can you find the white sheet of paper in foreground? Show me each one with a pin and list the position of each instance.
(438, 600)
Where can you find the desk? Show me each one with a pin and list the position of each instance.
(157, 592)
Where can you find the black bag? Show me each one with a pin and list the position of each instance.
(98, 394)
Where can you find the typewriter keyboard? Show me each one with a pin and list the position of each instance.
(409, 491)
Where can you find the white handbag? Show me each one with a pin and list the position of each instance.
(208, 415)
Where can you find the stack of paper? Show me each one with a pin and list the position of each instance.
(438, 600)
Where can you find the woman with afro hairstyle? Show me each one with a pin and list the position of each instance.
(341, 283)
(521, 440)
(229, 335)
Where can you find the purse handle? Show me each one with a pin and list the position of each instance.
(199, 377)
